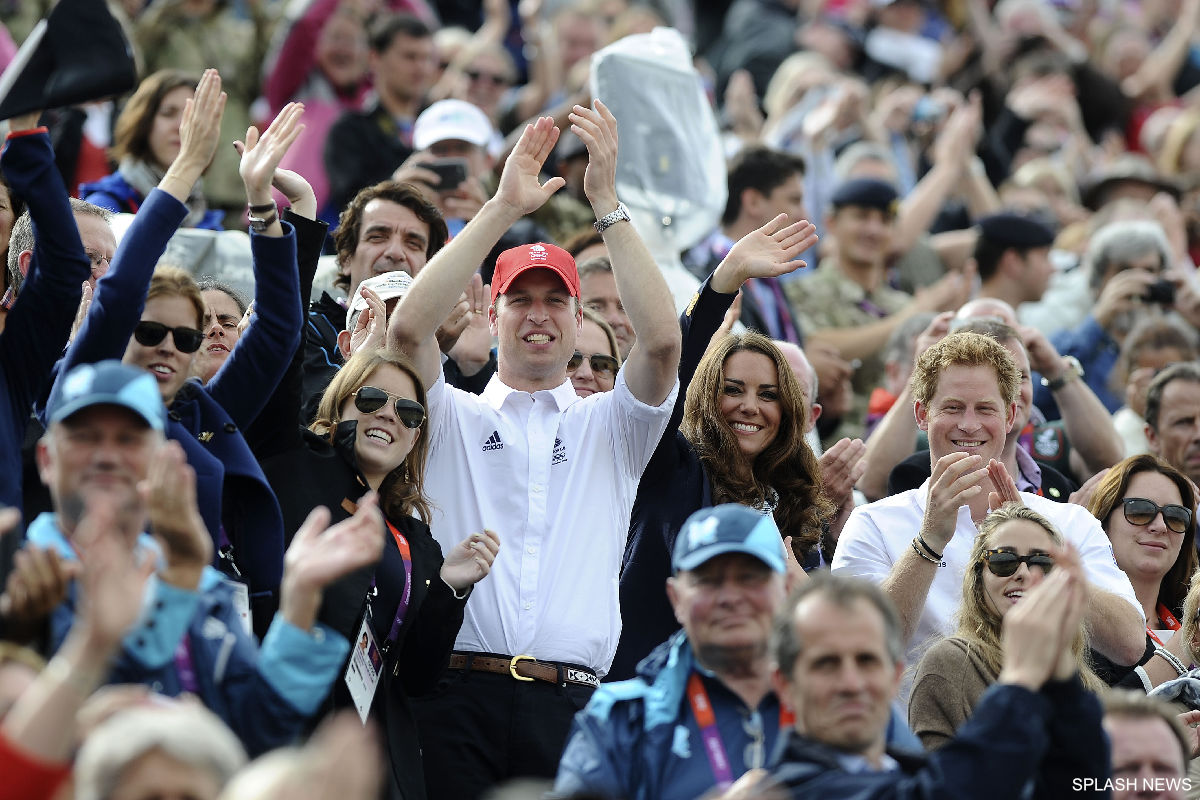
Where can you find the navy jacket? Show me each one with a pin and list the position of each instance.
(266, 695)
(39, 324)
(674, 484)
(231, 490)
(118, 196)
(639, 740)
(1016, 741)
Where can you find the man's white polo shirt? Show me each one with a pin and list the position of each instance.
(877, 535)
(555, 476)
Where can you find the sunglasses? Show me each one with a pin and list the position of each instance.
(1140, 511)
(149, 334)
(1004, 563)
(369, 399)
(602, 364)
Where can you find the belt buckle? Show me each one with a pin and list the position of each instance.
(512, 667)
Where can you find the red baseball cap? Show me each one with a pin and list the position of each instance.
(515, 260)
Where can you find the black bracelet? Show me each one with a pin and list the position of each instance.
(922, 554)
(929, 549)
(263, 208)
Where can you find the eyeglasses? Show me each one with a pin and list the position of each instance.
(1004, 563)
(1140, 511)
(600, 363)
(369, 399)
(149, 334)
(496, 80)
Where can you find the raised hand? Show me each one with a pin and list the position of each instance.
(474, 346)
(112, 579)
(293, 186)
(598, 129)
(1067, 560)
(1032, 632)
(1006, 487)
(520, 185)
(261, 154)
(317, 557)
(370, 329)
(200, 127)
(35, 587)
(169, 492)
(769, 251)
(795, 572)
(954, 483)
(470, 560)
(841, 467)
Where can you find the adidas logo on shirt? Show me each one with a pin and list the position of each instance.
(493, 442)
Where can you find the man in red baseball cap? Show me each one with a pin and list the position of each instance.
(554, 474)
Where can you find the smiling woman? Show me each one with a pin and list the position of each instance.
(370, 435)
(1011, 556)
(223, 311)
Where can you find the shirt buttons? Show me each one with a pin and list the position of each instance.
(537, 489)
(528, 606)
(531, 550)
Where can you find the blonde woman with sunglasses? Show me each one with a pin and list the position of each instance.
(403, 614)
(1013, 553)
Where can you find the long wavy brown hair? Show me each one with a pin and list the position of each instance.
(978, 620)
(787, 465)
(1111, 491)
(402, 493)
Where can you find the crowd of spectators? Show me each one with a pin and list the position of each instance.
(453, 493)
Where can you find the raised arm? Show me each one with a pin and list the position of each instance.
(437, 289)
(251, 373)
(121, 294)
(650, 370)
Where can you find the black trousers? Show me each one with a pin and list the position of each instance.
(479, 729)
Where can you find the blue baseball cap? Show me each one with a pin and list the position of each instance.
(108, 383)
(728, 528)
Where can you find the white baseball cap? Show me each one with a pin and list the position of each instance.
(452, 119)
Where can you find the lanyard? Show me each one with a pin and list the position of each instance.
(1168, 621)
(402, 608)
(183, 666)
(706, 719)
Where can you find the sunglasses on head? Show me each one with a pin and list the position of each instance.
(1004, 563)
(149, 334)
(606, 365)
(1140, 511)
(370, 399)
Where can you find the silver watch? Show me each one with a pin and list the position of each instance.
(612, 218)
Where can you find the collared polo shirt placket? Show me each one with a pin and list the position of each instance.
(555, 476)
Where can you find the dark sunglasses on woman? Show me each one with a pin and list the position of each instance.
(605, 365)
(1004, 563)
(1140, 511)
(370, 399)
(149, 334)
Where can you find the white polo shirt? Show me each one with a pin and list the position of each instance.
(878, 535)
(555, 476)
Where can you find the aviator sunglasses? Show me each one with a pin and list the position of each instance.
(599, 362)
(1004, 563)
(1140, 511)
(370, 399)
(149, 334)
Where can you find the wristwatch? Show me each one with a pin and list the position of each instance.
(612, 218)
(1074, 370)
(260, 217)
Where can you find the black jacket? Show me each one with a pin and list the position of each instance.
(315, 472)
(1015, 737)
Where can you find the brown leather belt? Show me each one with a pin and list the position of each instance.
(525, 668)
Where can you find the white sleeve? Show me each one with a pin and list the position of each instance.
(860, 550)
(1095, 551)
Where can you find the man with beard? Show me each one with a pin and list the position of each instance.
(1126, 259)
